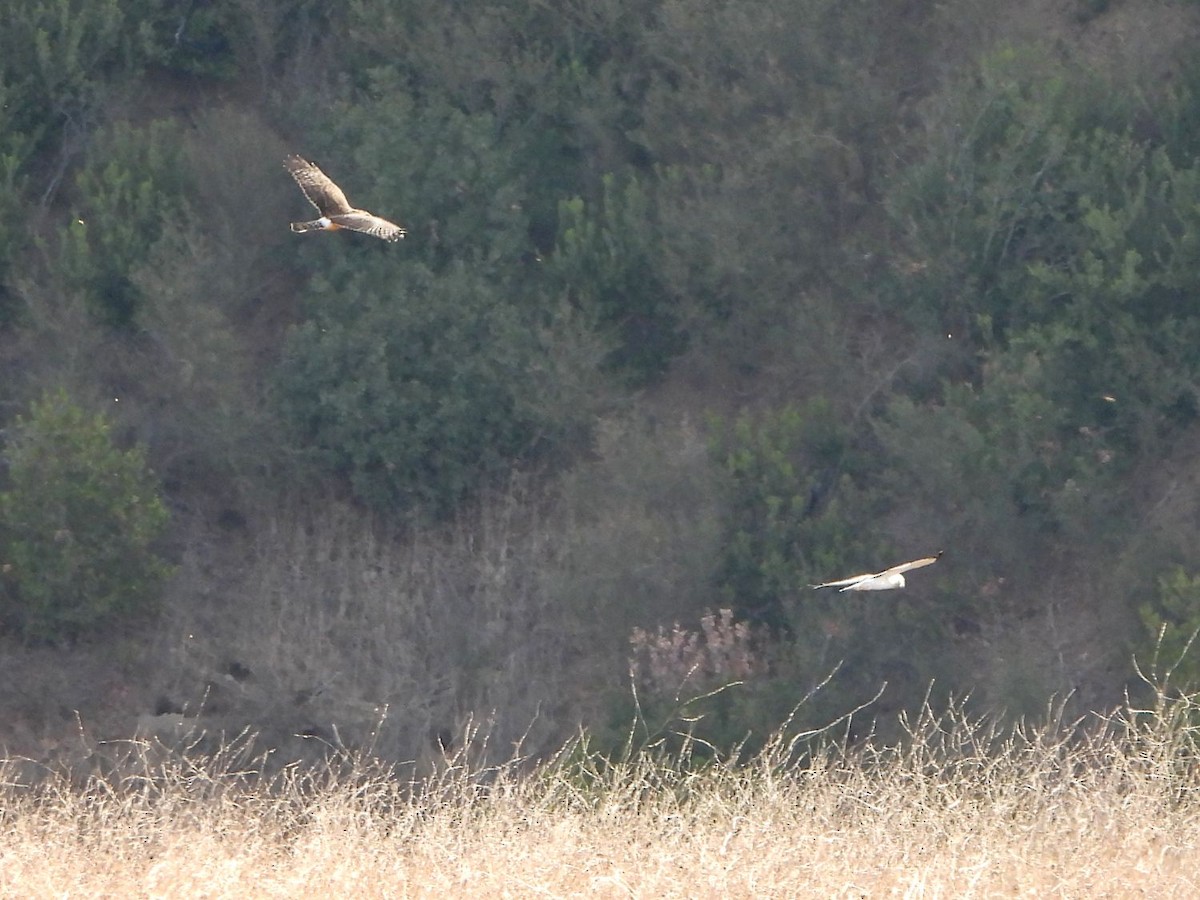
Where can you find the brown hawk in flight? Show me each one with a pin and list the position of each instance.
(336, 211)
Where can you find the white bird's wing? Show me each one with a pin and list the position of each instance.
(915, 564)
(853, 579)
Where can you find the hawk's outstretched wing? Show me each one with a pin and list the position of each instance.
(360, 220)
(321, 192)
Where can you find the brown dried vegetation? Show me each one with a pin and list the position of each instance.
(958, 807)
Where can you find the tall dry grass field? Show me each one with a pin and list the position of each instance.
(958, 809)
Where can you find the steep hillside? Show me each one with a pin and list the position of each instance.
(700, 304)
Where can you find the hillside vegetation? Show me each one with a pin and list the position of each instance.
(701, 303)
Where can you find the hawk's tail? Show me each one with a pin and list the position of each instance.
(301, 227)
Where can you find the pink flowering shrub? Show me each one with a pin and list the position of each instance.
(722, 651)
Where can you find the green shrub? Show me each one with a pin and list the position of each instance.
(12, 236)
(421, 393)
(785, 521)
(1002, 164)
(196, 39)
(1060, 250)
(1172, 623)
(54, 55)
(79, 519)
(607, 260)
(130, 188)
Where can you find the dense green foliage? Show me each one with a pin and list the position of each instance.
(786, 524)
(127, 195)
(1172, 624)
(421, 393)
(78, 522)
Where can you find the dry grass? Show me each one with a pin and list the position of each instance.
(958, 809)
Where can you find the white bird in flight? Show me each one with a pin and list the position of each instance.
(880, 581)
